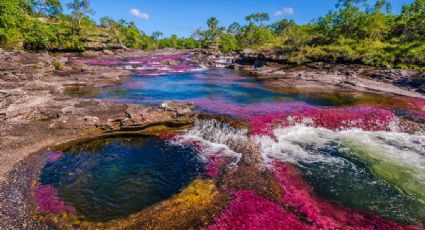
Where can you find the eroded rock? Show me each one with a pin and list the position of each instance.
(180, 108)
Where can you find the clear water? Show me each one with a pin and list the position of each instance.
(220, 85)
(361, 168)
(352, 183)
(114, 177)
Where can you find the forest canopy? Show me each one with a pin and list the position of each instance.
(354, 31)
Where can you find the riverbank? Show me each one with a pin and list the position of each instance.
(35, 110)
(280, 72)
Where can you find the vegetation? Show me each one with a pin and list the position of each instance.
(41, 24)
(354, 31)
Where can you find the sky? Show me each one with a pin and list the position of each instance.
(182, 17)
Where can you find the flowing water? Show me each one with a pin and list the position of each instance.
(347, 146)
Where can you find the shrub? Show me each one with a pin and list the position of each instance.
(58, 66)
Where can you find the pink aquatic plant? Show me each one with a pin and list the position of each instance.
(298, 208)
(366, 118)
(251, 211)
(263, 116)
(54, 156)
(213, 165)
(168, 136)
(416, 105)
(150, 66)
(246, 111)
(48, 200)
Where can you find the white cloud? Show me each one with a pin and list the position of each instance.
(284, 11)
(139, 14)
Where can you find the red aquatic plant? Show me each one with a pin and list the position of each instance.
(213, 165)
(366, 118)
(263, 116)
(416, 105)
(251, 211)
(298, 208)
(320, 213)
(149, 66)
(48, 200)
(168, 136)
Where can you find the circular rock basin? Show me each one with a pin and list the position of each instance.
(109, 178)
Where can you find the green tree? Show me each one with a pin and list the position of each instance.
(259, 18)
(253, 36)
(157, 35)
(281, 26)
(13, 18)
(79, 9)
(114, 28)
(228, 43)
(46, 7)
(214, 31)
(39, 36)
(411, 23)
(234, 28)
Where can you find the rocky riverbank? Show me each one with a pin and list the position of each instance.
(276, 67)
(35, 110)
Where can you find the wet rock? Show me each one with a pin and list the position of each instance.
(180, 108)
(147, 114)
(170, 62)
(74, 122)
(108, 52)
(114, 124)
(411, 122)
(135, 112)
(91, 121)
(259, 63)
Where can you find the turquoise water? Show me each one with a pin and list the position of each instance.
(350, 182)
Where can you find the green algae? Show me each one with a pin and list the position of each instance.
(407, 176)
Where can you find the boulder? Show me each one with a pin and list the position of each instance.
(170, 62)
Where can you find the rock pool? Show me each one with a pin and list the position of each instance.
(114, 177)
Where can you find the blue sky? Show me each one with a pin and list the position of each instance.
(182, 17)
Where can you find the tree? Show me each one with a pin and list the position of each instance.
(46, 7)
(382, 6)
(234, 28)
(411, 23)
(228, 43)
(281, 26)
(115, 28)
(351, 3)
(258, 18)
(79, 9)
(157, 35)
(13, 18)
(213, 32)
(253, 36)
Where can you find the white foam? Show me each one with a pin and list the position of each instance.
(290, 143)
(215, 138)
